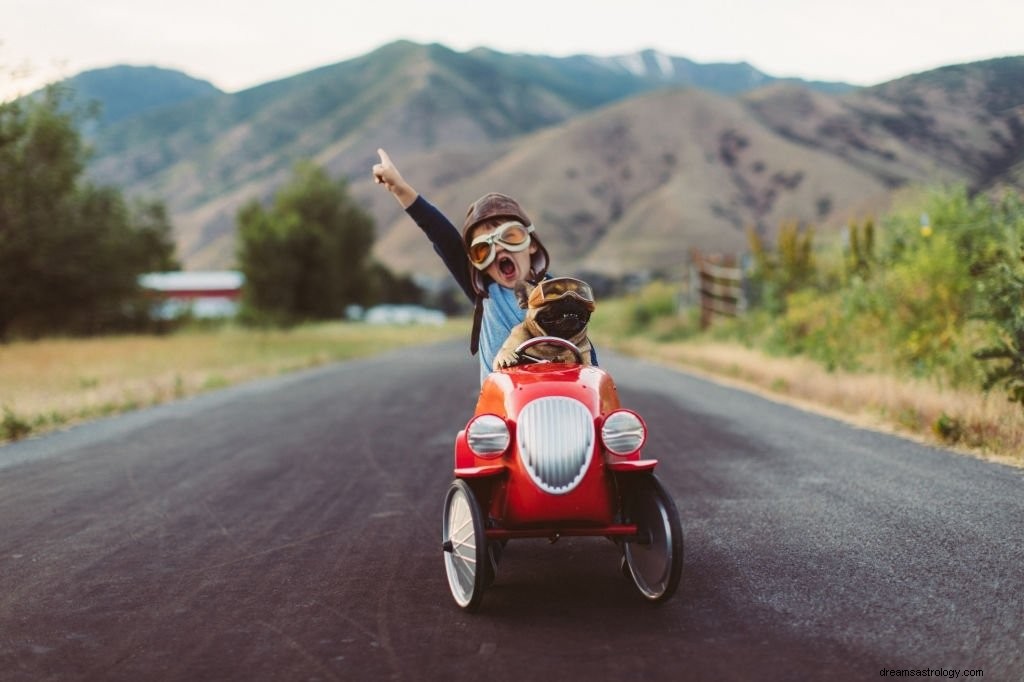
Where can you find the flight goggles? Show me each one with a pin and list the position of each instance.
(513, 236)
(548, 290)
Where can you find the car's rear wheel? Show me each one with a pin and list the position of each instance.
(465, 545)
(655, 560)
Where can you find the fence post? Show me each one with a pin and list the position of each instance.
(720, 286)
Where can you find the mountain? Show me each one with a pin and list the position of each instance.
(625, 163)
(960, 122)
(729, 79)
(634, 185)
(126, 91)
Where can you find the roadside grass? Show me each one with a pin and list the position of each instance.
(969, 420)
(52, 383)
(46, 385)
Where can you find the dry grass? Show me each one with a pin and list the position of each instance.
(50, 383)
(987, 426)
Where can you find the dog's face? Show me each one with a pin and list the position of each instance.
(566, 318)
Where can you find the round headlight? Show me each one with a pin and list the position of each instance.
(623, 432)
(487, 435)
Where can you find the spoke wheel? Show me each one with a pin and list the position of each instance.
(655, 563)
(465, 545)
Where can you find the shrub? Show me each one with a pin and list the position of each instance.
(1004, 309)
(813, 325)
(787, 269)
(926, 297)
(13, 427)
(656, 300)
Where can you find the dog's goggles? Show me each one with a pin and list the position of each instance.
(548, 290)
(514, 236)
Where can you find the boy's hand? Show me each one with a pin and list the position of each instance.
(385, 173)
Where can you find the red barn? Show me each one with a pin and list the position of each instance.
(204, 295)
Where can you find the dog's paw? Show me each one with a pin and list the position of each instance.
(505, 359)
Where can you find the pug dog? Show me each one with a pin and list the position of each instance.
(556, 307)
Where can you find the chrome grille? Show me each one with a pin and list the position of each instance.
(556, 442)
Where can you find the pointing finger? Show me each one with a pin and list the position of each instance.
(385, 160)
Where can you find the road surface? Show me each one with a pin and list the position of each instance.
(289, 529)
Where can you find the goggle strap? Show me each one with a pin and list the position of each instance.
(478, 316)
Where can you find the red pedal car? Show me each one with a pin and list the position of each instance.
(551, 453)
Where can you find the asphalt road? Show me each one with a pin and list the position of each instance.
(290, 530)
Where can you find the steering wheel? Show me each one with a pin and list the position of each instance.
(553, 340)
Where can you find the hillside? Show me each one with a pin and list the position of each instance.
(126, 91)
(624, 167)
(207, 158)
(636, 185)
(960, 122)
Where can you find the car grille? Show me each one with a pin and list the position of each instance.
(556, 442)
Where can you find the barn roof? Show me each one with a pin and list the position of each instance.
(226, 280)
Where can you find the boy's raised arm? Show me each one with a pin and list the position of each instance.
(445, 237)
(385, 173)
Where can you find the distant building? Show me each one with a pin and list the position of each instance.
(204, 295)
(391, 313)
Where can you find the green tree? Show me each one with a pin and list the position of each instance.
(307, 256)
(70, 252)
(154, 237)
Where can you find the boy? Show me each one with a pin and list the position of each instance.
(497, 248)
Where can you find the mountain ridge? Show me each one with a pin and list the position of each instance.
(626, 170)
(124, 91)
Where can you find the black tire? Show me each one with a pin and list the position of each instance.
(655, 563)
(465, 546)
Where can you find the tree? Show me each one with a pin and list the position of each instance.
(154, 237)
(307, 256)
(70, 252)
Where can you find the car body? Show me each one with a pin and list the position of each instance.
(550, 452)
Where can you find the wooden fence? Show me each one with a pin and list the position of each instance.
(719, 285)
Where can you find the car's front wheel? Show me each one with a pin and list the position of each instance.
(655, 559)
(465, 545)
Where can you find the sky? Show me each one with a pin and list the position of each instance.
(237, 44)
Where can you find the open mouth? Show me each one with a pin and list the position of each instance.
(506, 266)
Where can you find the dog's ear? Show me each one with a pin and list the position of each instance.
(523, 290)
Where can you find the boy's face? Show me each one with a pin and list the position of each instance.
(508, 267)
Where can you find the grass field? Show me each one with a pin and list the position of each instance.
(968, 419)
(52, 383)
(982, 425)
(48, 384)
